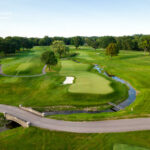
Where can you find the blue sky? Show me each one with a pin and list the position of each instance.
(37, 18)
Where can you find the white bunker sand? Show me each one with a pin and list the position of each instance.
(69, 80)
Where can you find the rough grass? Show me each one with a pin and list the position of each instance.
(132, 66)
(86, 82)
(38, 139)
(48, 90)
(127, 147)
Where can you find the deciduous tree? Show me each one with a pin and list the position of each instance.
(144, 43)
(49, 58)
(77, 41)
(112, 49)
(60, 48)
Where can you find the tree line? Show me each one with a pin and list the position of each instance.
(11, 45)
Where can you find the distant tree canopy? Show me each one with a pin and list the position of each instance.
(46, 41)
(112, 49)
(105, 41)
(77, 41)
(127, 43)
(92, 42)
(49, 58)
(11, 45)
(60, 48)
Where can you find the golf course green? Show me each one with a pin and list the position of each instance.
(89, 90)
(86, 82)
(39, 92)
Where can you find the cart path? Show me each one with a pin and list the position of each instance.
(123, 125)
(28, 76)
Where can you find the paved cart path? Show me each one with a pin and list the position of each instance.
(122, 125)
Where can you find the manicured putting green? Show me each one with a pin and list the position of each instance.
(127, 147)
(85, 82)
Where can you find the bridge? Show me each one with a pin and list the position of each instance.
(115, 107)
(22, 122)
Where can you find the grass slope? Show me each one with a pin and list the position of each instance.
(86, 82)
(38, 139)
(24, 63)
(46, 91)
(132, 66)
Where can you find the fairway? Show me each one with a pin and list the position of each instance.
(86, 82)
(47, 92)
(85, 55)
(24, 63)
(74, 75)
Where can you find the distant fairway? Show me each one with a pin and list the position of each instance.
(86, 82)
(24, 63)
(85, 55)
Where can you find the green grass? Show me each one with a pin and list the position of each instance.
(38, 139)
(43, 92)
(86, 82)
(132, 66)
(2, 120)
(24, 63)
(127, 147)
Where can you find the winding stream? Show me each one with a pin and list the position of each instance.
(131, 98)
(131, 92)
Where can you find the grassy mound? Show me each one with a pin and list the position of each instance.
(42, 93)
(86, 82)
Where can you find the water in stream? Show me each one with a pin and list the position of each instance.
(131, 98)
(132, 93)
(9, 125)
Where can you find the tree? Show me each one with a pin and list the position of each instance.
(8, 46)
(26, 43)
(94, 44)
(1, 44)
(60, 48)
(35, 41)
(127, 42)
(105, 41)
(49, 58)
(77, 41)
(112, 49)
(144, 43)
(46, 41)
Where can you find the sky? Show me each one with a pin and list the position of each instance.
(37, 18)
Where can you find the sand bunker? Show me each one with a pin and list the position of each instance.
(69, 80)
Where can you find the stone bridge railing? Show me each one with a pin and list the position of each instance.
(28, 109)
(20, 121)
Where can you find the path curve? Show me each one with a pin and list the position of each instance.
(25, 76)
(123, 125)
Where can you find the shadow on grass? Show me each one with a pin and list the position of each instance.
(131, 56)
